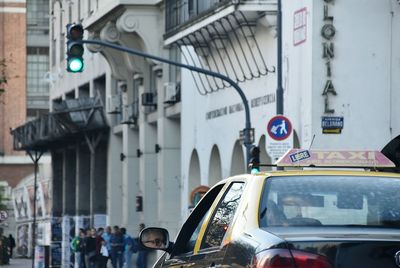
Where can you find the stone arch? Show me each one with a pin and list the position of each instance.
(264, 157)
(238, 163)
(215, 170)
(194, 171)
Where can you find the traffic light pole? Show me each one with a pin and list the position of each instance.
(247, 130)
(279, 90)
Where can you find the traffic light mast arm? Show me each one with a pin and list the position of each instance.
(247, 141)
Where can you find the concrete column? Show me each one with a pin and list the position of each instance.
(57, 166)
(114, 181)
(148, 166)
(69, 182)
(148, 174)
(168, 162)
(100, 179)
(130, 179)
(169, 178)
(82, 181)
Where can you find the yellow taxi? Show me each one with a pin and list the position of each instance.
(312, 217)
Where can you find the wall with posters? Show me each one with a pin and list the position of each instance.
(23, 203)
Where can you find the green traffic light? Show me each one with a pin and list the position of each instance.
(75, 65)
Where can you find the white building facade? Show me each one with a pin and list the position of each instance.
(339, 79)
(171, 133)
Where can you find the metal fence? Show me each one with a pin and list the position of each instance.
(178, 12)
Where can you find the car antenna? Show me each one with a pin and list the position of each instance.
(309, 148)
(312, 141)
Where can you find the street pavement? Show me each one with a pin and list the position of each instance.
(19, 263)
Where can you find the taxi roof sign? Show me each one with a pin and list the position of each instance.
(324, 158)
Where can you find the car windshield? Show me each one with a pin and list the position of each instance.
(331, 201)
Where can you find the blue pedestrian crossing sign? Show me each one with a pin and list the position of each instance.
(279, 128)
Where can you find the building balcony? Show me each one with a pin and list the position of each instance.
(184, 17)
(222, 36)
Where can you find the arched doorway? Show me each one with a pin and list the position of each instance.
(194, 171)
(238, 165)
(214, 172)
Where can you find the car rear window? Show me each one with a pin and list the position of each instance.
(330, 201)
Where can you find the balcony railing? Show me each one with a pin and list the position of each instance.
(69, 118)
(180, 12)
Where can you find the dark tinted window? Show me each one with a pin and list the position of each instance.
(187, 237)
(331, 200)
(223, 216)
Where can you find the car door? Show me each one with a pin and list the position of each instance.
(185, 243)
(209, 249)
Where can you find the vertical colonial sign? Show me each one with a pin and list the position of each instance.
(329, 124)
(279, 139)
(328, 32)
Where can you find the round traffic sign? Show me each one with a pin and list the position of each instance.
(279, 127)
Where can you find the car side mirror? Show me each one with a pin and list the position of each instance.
(154, 238)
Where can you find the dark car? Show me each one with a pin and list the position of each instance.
(298, 218)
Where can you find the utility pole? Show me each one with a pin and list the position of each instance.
(279, 90)
(35, 156)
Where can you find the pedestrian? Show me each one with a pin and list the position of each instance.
(104, 255)
(129, 248)
(141, 261)
(106, 237)
(117, 244)
(90, 249)
(11, 242)
(100, 261)
(4, 257)
(77, 246)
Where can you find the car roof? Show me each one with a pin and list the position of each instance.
(310, 172)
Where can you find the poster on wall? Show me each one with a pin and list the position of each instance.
(20, 203)
(23, 240)
(31, 194)
(100, 220)
(56, 229)
(55, 254)
(82, 222)
(47, 202)
(43, 231)
(68, 228)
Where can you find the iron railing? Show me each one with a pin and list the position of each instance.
(180, 12)
(70, 117)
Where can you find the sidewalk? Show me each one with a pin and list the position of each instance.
(19, 263)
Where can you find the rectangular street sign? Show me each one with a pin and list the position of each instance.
(332, 124)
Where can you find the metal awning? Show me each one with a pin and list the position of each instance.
(69, 120)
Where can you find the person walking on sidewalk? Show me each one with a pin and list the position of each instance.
(141, 261)
(129, 248)
(11, 243)
(77, 245)
(90, 249)
(117, 248)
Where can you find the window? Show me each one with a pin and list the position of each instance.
(38, 13)
(223, 216)
(188, 235)
(38, 66)
(331, 201)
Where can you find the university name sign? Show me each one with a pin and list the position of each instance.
(230, 109)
